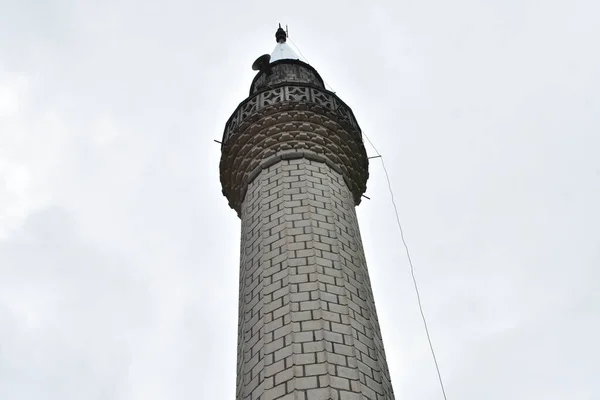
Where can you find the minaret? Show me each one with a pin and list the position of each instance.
(294, 167)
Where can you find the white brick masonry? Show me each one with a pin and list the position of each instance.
(308, 328)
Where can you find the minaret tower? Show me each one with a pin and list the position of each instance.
(294, 167)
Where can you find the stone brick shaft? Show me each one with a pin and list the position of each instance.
(308, 328)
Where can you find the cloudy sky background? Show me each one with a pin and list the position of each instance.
(119, 255)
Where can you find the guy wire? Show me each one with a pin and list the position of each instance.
(412, 269)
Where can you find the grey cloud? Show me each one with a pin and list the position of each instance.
(119, 255)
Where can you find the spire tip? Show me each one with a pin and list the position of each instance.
(280, 35)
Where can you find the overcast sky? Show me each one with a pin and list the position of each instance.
(119, 254)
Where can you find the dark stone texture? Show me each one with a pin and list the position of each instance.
(287, 71)
(295, 117)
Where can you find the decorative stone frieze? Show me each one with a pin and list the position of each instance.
(300, 93)
(286, 122)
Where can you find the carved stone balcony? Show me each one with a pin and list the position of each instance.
(292, 116)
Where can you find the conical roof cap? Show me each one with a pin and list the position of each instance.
(283, 52)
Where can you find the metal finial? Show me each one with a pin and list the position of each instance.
(280, 35)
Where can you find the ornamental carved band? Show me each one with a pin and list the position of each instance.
(291, 121)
